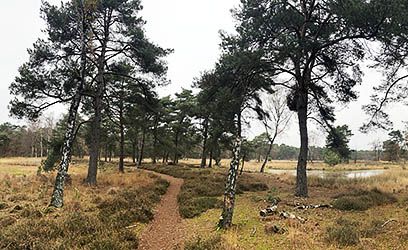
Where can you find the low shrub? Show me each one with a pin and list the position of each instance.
(361, 200)
(344, 233)
(212, 243)
(102, 227)
(197, 206)
(202, 187)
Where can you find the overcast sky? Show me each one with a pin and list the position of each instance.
(191, 28)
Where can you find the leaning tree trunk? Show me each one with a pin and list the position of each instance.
(57, 198)
(266, 158)
(271, 141)
(242, 165)
(231, 184)
(301, 176)
(204, 152)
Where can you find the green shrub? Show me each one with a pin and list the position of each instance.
(331, 158)
(361, 200)
(197, 206)
(344, 233)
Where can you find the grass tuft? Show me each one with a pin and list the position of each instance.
(344, 233)
(361, 200)
(212, 243)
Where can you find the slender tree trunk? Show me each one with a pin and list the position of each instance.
(155, 140)
(122, 147)
(176, 154)
(266, 157)
(57, 199)
(242, 166)
(41, 144)
(167, 157)
(301, 175)
(210, 159)
(230, 187)
(142, 147)
(106, 152)
(205, 137)
(133, 151)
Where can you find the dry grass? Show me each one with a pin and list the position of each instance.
(24, 215)
(321, 230)
(255, 166)
(92, 218)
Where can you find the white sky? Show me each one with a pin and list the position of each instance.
(191, 28)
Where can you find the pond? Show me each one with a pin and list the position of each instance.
(349, 174)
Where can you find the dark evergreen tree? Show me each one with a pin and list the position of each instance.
(337, 141)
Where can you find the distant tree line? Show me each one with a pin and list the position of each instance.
(157, 142)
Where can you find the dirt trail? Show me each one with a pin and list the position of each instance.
(166, 231)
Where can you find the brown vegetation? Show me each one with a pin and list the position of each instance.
(92, 218)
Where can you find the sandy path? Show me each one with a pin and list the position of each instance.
(166, 231)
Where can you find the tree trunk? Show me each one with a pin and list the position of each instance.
(133, 151)
(155, 140)
(106, 152)
(242, 166)
(142, 148)
(176, 140)
(41, 144)
(301, 175)
(266, 158)
(210, 160)
(122, 147)
(96, 123)
(57, 199)
(167, 158)
(230, 187)
(205, 137)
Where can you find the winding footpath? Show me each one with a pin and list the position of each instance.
(166, 231)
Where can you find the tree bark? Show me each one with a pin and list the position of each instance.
(96, 123)
(141, 155)
(122, 133)
(122, 145)
(106, 152)
(301, 175)
(176, 154)
(242, 165)
(210, 159)
(266, 158)
(57, 198)
(155, 140)
(204, 152)
(230, 188)
(133, 151)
